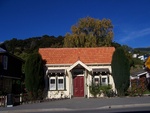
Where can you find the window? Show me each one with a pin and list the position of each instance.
(104, 80)
(96, 79)
(57, 83)
(60, 83)
(52, 83)
(5, 61)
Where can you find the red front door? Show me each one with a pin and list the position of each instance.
(78, 86)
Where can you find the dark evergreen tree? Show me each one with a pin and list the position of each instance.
(34, 75)
(120, 71)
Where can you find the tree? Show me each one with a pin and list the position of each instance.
(90, 32)
(128, 52)
(34, 75)
(120, 71)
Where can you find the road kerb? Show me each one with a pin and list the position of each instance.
(124, 106)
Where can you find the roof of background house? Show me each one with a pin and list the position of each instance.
(99, 55)
(2, 50)
(138, 72)
(5, 52)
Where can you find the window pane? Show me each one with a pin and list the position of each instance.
(52, 81)
(60, 84)
(96, 80)
(60, 81)
(104, 81)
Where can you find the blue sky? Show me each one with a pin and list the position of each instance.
(23, 19)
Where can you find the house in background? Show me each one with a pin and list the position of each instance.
(139, 73)
(139, 81)
(141, 57)
(70, 71)
(10, 73)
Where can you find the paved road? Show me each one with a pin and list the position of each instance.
(80, 104)
(115, 110)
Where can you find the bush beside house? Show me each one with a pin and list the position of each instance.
(104, 90)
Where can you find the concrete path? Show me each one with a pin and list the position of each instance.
(79, 103)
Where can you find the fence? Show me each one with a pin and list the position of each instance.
(17, 99)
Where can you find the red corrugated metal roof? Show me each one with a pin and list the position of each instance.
(71, 55)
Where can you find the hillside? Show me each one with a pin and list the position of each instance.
(146, 49)
(22, 48)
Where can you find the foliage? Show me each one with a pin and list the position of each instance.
(22, 48)
(127, 51)
(137, 61)
(95, 89)
(120, 71)
(143, 49)
(90, 32)
(34, 75)
(138, 87)
(105, 89)
(115, 44)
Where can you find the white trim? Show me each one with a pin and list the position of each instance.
(2, 50)
(138, 75)
(82, 64)
(142, 74)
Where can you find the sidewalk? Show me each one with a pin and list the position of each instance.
(80, 103)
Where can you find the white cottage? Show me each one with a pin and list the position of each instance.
(70, 71)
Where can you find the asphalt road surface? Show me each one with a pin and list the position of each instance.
(84, 105)
(109, 110)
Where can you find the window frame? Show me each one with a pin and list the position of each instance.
(50, 84)
(5, 62)
(106, 80)
(96, 77)
(60, 84)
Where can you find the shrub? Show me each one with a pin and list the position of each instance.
(95, 89)
(105, 89)
(138, 87)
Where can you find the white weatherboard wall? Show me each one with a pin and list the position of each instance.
(60, 94)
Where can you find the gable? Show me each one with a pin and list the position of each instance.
(79, 63)
(99, 55)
